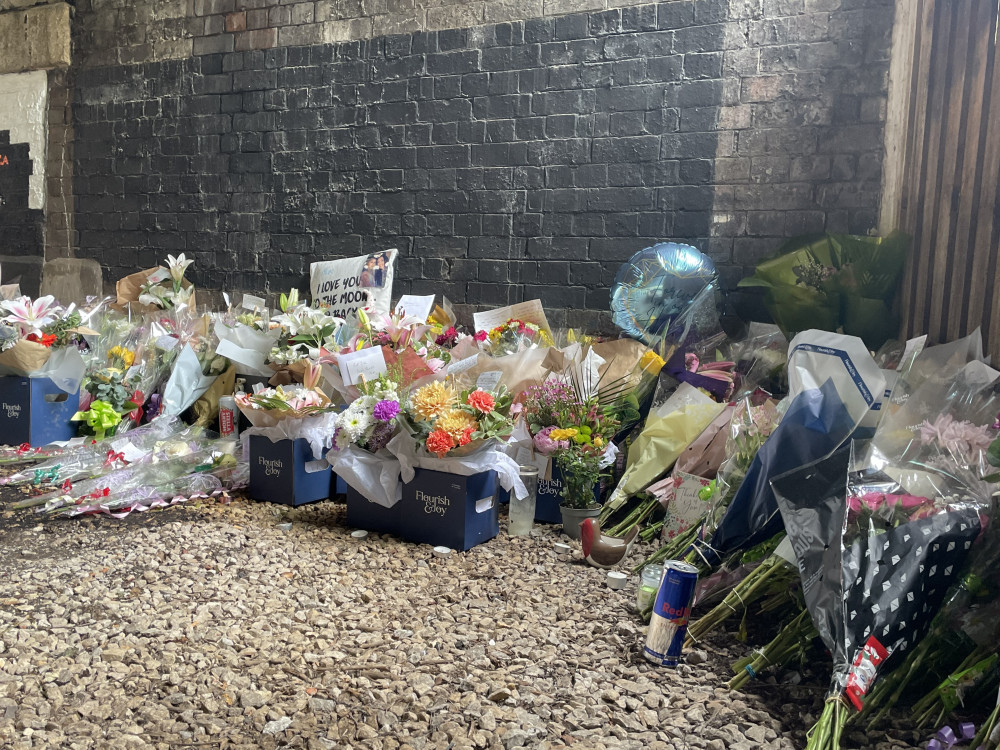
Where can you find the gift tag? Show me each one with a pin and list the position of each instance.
(463, 364)
(365, 363)
(488, 381)
(252, 302)
(416, 305)
(160, 274)
(166, 343)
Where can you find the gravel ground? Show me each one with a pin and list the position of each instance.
(210, 627)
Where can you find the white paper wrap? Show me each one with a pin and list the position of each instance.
(65, 368)
(317, 430)
(374, 475)
(186, 384)
(246, 347)
(816, 356)
(488, 458)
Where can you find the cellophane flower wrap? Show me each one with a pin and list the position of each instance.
(876, 559)
(91, 458)
(834, 282)
(833, 381)
(512, 337)
(879, 542)
(168, 468)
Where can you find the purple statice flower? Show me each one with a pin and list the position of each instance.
(381, 434)
(386, 411)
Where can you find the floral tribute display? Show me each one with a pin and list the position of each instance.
(836, 490)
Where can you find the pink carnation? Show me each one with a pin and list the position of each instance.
(546, 445)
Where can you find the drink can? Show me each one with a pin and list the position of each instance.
(671, 612)
(227, 417)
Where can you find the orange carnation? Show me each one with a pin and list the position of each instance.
(440, 442)
(482, 401)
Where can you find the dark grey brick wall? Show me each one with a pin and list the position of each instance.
(506, 162)
(21, 227)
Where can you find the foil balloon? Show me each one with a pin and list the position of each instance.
(657, 292)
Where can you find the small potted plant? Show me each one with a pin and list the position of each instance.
(582, 455)
(581, 468)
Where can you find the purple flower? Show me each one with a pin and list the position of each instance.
(381, 434)
(386, 411)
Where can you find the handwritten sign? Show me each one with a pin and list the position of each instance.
(415, 305)
(529, 312)
(365, 363)
(350, 284)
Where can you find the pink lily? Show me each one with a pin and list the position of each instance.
(31, 316)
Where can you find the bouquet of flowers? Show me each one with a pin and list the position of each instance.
(876, 559)
(306, 332)
(167, 288)
(269, 406)
(512, 337)
(371, 420)
(93, 458)
(111, 390)
(449, 422)
(834, 282)
(32, 330)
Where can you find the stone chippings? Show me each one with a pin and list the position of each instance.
(210, 627)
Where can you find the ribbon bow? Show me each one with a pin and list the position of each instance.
(23, 448)
(100, 417)
(42, 475)
(947, 739)
(136, 414)
(67, 486)
(112, 457)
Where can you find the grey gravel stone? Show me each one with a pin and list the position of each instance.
(211, 627)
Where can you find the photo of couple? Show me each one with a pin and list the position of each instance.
(374, 272)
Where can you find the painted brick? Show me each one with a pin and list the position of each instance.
(518, 159)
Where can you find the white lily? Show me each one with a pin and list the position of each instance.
(177, 267)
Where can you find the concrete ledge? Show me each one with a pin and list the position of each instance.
(35, 39)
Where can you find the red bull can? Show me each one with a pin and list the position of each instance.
(227, 416)
(671, 612)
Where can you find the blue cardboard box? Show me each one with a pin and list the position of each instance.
(450, 510)
(35, 411)
(278, 472)
(362, 513)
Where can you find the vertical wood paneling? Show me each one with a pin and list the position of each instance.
(940, 182)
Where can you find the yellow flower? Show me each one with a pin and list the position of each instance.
(433, 400)
(651, 362)
(125, 356)
(598, 441)
(566, 434)
(455, 423)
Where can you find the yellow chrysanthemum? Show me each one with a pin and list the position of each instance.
(433, 400)
(455, 423)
